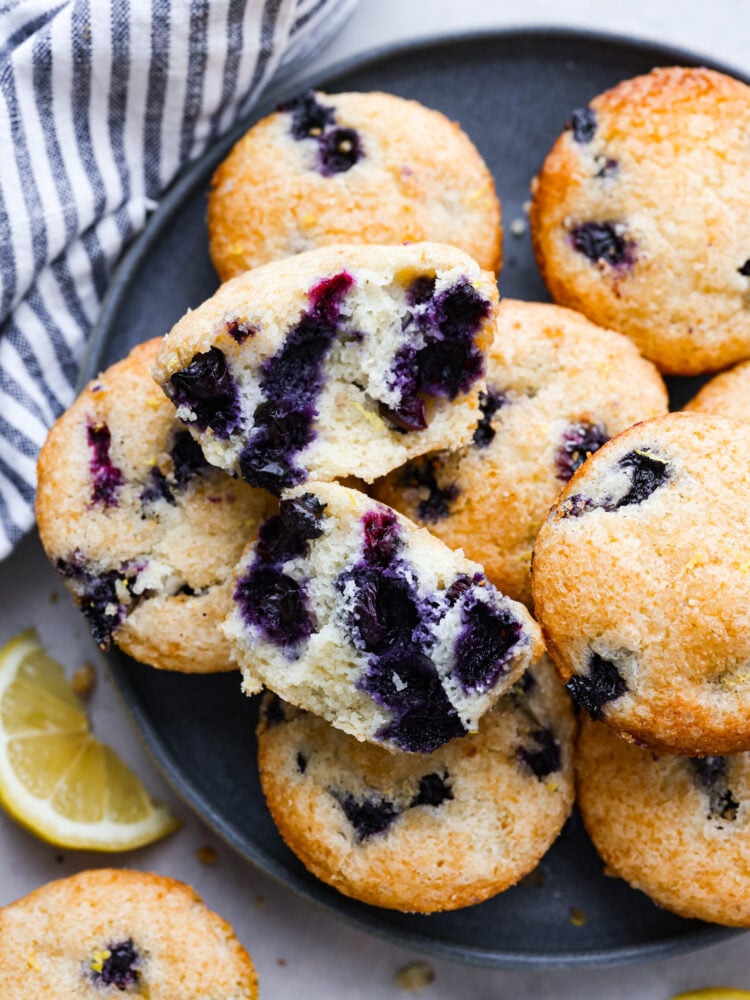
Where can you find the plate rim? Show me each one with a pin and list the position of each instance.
(179, 191)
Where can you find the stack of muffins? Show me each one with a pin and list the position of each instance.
(335, 472)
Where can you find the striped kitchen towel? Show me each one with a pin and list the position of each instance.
(102, 103)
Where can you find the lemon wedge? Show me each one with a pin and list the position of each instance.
(56, 779)
(714, 993)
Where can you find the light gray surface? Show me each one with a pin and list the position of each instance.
(323, 958)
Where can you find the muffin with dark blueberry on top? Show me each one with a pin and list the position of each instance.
(348, 610)
(343, 361)
(677, 828)
(558, 387)
(117, 933)
(428, 832)
(640, 579)
(351, 168)
(639, 217)
(144, 532)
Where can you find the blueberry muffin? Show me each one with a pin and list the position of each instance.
(109, 933)
(639, 216)
(640, 578)
(346, 609)
(342, 361)
(677, 828)
(423, 832)
(558, 387)
(350, 168)
(726, 395)
(142, 530)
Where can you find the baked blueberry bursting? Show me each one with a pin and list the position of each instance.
(543, 756)
(187, 461)
(434, 789)
(486, 642)
(602, 684)
(301, 762)
(338, 148)
(157, 488)
(119, 967)
(578, 442)
(647, 474)
(99, 600)
(449, 362)
(368, 816)
(711, 773)
(607, 169)
(269, 599)
(745, 269)
(107, 478)
(385, 619)
(207, 389)
(310, 118)
(583, 123)
(187, 458)
(489, 403)
(239, 330)
(338, 151)
(603, 241)
(421, 475)
(290, 383)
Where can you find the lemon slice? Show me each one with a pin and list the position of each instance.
(56, 779)
(714, 993)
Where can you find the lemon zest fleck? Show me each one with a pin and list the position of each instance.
(99, 958)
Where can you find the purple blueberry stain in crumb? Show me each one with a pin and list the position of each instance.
(578, 442)
(310, 118)
(338, 151)
(711, 773)
(434, 789)
(239, 330)
(440, 358)
(605, 241)
(106, 477)
(269, 599)
(543, 755)
(583, 124)
(301, 762)
(290, 383)
(600, 685)
(489, 403)
(116, 965)
(207, 389)
(744, 270)
(368, 816)
(385, 619)
(434, 500)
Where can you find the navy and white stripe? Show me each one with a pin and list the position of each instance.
(101, 105)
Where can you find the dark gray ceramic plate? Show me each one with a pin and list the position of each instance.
(512, 92)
